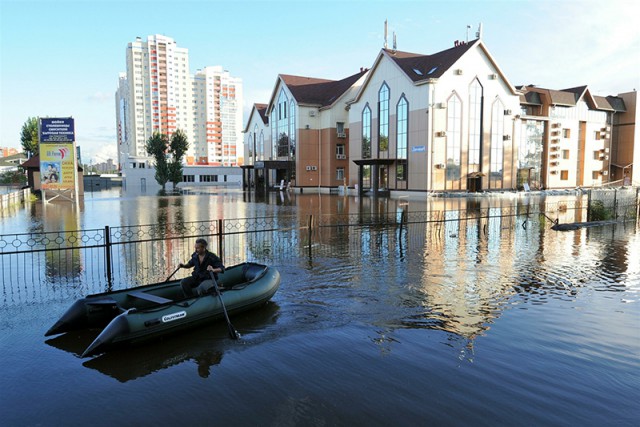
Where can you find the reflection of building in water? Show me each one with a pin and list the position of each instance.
(173, 223)
(61, 221)
(461, 293)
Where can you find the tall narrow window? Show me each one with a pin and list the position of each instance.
(261, 144)
(281, 140)
(383, 118)
(273, 119)
(475, 125)
(366, 132)
(255, 143)
(292, 130)
(497, 144)
(454, 136)
(402, 115)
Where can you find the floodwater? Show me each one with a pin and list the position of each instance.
(513, 326)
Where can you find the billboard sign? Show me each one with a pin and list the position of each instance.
(54, 130)
(57, 154)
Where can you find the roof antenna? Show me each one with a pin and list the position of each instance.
(468, 27)
(385, 33)
(479, 33)
(395, 45)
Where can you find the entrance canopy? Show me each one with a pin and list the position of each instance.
(379, 162)
(375, 171)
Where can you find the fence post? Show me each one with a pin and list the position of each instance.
(615, 203)
(310, 232)
(589, 205)
(220, 237)
(107, 251)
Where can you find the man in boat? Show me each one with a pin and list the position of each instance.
(202, 262)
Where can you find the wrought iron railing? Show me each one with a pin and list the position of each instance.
(49, 265)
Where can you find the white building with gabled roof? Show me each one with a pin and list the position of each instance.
(436, 122)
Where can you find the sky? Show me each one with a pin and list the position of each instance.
(62, 59)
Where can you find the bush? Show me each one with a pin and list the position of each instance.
(13, 178)
(599, 212)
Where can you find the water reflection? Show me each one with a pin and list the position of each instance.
(451, 264)
(205, 346)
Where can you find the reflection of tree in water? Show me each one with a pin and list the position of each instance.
(453, 170)
(530, 154)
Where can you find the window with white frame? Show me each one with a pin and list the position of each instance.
(475, 116)
(454, 135)
(497, 144)
(366, 132)
(383, 118)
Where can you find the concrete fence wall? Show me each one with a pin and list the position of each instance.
(14, 198)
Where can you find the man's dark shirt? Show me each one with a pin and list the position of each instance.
(200, 269)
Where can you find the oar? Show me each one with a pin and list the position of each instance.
(174, 272)
(232, 331)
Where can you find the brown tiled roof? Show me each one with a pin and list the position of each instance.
(530, 98)
(617, 104)
(321, 92)
(558, 97)
(570, 97)
(578, 91)
(33, 162)
(422, 67)
(602, 103)
(262, 110)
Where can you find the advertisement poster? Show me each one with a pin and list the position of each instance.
(57, 154)
(57, 166)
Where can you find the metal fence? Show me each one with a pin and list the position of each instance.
(53, 265)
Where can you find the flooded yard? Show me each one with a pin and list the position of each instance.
(491, 322)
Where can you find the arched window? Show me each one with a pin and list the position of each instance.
(454, 137)
(283, 125)
(254, 141)
(383, 118)
(292, 129)
(366, 132)
(273, 120)
(497, 144)
(475, 125)
(261, 145)
(402, 114)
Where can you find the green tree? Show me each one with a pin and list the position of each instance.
(29, 136)
(13, 178)
(157, 147)
(179, 146)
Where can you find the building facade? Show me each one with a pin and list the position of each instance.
(566, 137)
(449, 121)
(440, 122)
(308, 133)
(257, 146)
(625, 151)
(217, 112)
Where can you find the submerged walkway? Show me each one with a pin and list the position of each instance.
(577, 225)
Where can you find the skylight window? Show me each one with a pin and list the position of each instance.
(432, 70)
(418, 72)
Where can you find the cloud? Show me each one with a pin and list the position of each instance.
(98, 144)
(101, 98)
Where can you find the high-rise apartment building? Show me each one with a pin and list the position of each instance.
(217, 108)
(158, 94)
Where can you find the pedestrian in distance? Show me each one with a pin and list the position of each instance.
(202, 261)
